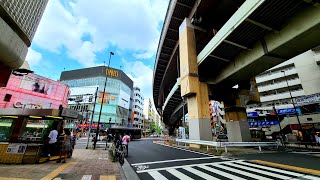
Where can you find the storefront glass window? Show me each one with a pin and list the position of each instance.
(5, 129)
(35, 130)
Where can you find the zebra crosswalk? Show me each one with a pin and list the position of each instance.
(237, 169)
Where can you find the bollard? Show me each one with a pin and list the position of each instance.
(259, 148)
(225, 149)
(207, 148)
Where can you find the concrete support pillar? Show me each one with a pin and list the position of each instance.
(192, 89)
(237, 124)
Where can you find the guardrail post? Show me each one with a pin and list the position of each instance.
(259, 148)
(225, 149)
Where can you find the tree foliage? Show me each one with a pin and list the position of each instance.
(154, 128)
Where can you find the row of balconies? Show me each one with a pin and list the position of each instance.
(275, 75)
(285, 95)
(282, 84)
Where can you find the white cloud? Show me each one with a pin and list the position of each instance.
(129, 25)
(33, 57)
(141, 75)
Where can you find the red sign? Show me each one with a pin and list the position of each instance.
(87, 125)
(294, 127)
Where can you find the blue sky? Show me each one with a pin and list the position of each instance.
(76, 34)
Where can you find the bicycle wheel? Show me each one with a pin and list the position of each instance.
(125, 151)
(121, 159)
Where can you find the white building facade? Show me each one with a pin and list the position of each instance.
(148, 110)
(300, 76)
(137, 108)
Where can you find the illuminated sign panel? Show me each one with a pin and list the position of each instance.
(112, 73)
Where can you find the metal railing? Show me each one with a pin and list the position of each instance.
(227, 144)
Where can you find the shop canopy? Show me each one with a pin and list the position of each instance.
(40, 113)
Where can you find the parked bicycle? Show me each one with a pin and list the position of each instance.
(118, 152)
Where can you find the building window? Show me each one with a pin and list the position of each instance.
(5, 129)
(35, 130)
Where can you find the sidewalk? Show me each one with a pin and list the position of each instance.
(85, 164)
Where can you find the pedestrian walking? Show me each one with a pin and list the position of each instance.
(52, 142)
(125, 141)
(316, 136)
(66, 146)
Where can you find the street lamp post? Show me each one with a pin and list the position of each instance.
(92, 115)
(104, 90)
(294, 106)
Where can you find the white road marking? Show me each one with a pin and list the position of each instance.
(199, 173)
(221, 173)
(272, 169)
(185, 149)
(183, 166)
(179, 175)
(86, 177)
(157, 176)
(255, 176)
(260, 171)
(305, 152)
(174, 160)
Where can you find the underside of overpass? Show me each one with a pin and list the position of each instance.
(235, 41)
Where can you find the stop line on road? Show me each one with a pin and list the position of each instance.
(236, 169)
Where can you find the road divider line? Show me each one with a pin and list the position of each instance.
(305, 170)
(174, 160)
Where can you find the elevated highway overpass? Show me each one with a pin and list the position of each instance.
(221, 43)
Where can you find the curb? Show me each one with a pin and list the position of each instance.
(127, 171)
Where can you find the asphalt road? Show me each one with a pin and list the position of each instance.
(154, 161)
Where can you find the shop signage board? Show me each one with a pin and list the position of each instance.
(16, 148)
(286, 111)
(69, 113)
(305, 100)
(263, 123)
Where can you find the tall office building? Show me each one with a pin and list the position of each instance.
(19, 20)
(116, 101)
(148, 110)
(137, 108)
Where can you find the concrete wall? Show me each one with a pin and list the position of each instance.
(238, 131)
(12, 49)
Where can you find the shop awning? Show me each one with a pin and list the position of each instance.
(41, 113)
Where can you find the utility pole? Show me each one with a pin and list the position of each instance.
(104, 91)
(92, 115)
